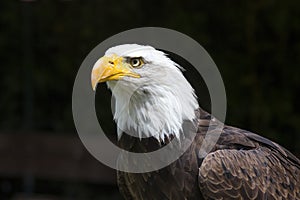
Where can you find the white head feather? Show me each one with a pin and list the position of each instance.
(156, 103)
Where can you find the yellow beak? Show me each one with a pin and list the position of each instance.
(110, 68)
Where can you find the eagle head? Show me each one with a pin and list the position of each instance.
(152, 97)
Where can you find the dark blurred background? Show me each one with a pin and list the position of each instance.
(255, 44)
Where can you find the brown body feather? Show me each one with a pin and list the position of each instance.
(241, 165)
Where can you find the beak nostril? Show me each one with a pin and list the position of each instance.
(111, 62)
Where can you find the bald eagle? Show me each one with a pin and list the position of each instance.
(153, 98)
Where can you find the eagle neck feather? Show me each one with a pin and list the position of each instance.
(154, 111)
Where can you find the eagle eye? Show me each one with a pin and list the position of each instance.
(136, 62)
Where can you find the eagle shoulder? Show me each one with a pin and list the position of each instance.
(244, 165)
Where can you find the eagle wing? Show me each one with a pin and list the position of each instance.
(259, 170)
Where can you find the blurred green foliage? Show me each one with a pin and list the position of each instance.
(255, 44)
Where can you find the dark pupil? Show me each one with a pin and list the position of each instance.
(135, 62)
